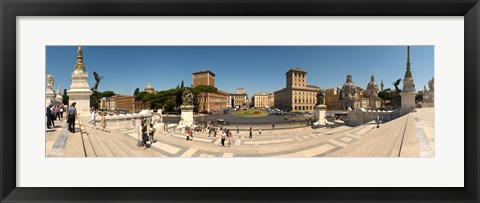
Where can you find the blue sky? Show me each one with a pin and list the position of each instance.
(255, 68)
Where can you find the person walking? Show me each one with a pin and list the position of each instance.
(251, 133)
(92, 119)
(273, 126)
(57, 110)
(238, 129)
(103, 122)
(192, 130)
(49, 116)
(187, 130)
(145, 137)
(52, 116)
(72, 115)
(214, 132)
(229, 138)
(224, 135)
(152, 133)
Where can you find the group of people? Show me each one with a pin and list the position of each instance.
(53, 112)
(227, 135)
(93, 122)
(148, 132)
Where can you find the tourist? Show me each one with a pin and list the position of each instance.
(49, 116)
(92, 118)
(152, 133)
(224, 135)
(273, 126)
(187, 130)
(238, 129)
(144, 138)
(192, 130)
(103, 122)
(214, 132)
(61, 111)
(229, 137)
(209, 131)
(133, 122)
(57, 110)
(251, 133)
(259, 131)
(52, 116)
(72, 115)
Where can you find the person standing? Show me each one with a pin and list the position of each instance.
(57, 110)
(49, 116)
(144, 137)
(273, 126)
(251, 133)
(72, 115)
(52, 116)
(103, 122)
(238, 129)
(152, 133)
(229, 137)
(61, 111)
(259, 131)
(192, 132)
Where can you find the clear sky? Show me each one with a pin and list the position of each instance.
(255, 68)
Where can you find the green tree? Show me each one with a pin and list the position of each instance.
(65, 97)
(137, 90)
(170, 105)
(107, 95)
(419, 97)
(179, 97)
(252, 102)
(181, 86)
(202, 92)
(391, 96)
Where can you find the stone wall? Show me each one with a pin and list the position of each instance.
(359, 117)
(122, 120)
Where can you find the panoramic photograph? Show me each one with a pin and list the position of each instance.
(239, 101)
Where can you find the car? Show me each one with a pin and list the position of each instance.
(221, 122)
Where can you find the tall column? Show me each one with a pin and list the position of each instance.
(408, 91)
(79, 90)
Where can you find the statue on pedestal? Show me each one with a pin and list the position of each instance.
(50, 81)
(187, 98)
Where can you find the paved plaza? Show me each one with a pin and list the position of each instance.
(411, 135)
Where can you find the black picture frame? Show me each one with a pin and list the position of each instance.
(10, 9)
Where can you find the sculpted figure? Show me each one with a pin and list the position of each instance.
(59, 91)
(50, 81)
(187, 98)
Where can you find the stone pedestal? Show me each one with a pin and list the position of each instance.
(187, 115)
(49, 97)
(320, 111)
(408, 102)
(80, 91)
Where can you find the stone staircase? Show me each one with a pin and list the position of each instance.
(386, 141)
(92, 142)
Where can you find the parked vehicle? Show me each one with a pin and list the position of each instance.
(221, 122)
